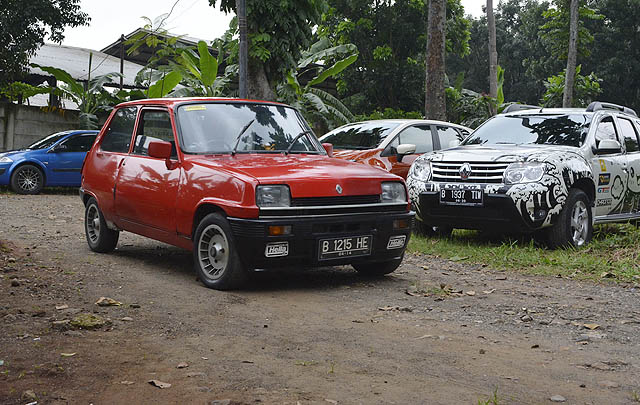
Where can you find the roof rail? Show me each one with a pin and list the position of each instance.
(519, 107)
(598, 105)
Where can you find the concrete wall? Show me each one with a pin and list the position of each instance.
(22, 125)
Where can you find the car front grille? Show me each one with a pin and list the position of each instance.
(481, 172)
(328, 201)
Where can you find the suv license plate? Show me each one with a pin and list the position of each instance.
(455, 196)
(337, 248)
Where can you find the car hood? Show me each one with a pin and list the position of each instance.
(306, 175)
(499, 153)
(15, 154)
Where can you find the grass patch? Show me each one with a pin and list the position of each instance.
(615, 249)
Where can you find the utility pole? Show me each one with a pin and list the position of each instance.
(244, 54)
(121, 62)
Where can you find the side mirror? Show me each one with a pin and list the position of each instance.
(328, 148)
(160, 149)
(608, 147)
(453, 143)
(405, 149)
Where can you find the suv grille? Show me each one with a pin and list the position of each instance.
(325, 201)
(481, 172)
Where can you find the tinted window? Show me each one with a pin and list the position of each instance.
(222, 128)
(606, 130)
(629, 134)
(448, 135)
(367, 135)
(419, 136)
(153, 126)
(79, 143)
(48, 141)
(569, 130)
(118, 136)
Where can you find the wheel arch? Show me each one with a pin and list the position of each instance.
(202, 211)
(588, 187)
(35, 163)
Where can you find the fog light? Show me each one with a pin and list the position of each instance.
(540, 214)
(401, 224)
(278, 230)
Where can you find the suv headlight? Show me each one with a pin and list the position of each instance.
(524, 173)
(393, 192)
(273, 196)
(5, 159)
(421, 170)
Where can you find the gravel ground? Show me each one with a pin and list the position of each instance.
(435, 331)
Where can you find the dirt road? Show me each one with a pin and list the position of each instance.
(434, 332)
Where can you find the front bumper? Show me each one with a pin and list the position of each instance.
(4, 175)
(251, 236)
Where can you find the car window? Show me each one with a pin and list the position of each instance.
(606, 130)
(153, 126)
(416, 135)
(360, 136)
(448, 135)
(79, 143)
(629, 134)
(118, 135)
(48, 141)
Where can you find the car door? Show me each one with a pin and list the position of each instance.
(66, 158)
(146, 188)
(630, 136)
(419, 135)
(611, 172)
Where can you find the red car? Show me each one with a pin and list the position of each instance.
(393, 145)
(243, 184)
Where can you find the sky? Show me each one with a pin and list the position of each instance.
(194, 18)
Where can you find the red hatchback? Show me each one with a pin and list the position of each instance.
(243, 184)
(393, 145)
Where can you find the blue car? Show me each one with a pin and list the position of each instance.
(53, 161)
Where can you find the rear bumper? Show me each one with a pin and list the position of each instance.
(251, 236)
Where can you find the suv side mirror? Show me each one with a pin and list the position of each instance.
(405, 149)
(453, 143)
(608, 147)
(328, 147)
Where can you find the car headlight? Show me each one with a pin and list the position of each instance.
(5, 159)
(393, 192)
(524, 173)
(421, 170)
(273, 196)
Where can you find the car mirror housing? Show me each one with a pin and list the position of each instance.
(453, 143)
(328, 147)
(608, 147)
(405, 149)
(160, 149)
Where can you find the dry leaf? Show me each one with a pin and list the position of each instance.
(107, 302)
(183, 365)
(471, 293)
(126, 382)
(159, 384)
(67, 354)
(591, 326)
(489, 291)
(61, 307)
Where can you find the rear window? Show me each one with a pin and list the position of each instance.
(367, 135)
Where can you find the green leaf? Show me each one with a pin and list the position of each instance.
(333, 70)
(293, 82)
(208, 64)
(164, 86)
(316, 102)
(63, 76)
(500, 95)
(327, 54)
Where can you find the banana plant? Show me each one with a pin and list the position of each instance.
(200, 72)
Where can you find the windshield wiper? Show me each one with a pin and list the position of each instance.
(244, 129)
(300, 135)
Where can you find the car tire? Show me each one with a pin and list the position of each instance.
(100, 238)
(215, 255)
(430, 230)
(377, 269)
(27, 179)
(574, 226)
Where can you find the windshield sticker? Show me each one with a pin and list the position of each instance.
(195, 108)
(603, 165)
(604, 179)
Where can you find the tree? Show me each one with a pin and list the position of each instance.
(24, 25)
(278, 31)
(493, 53)
(572, 55)
(435, 100)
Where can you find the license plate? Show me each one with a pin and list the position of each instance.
(455, 196)
(337, 248)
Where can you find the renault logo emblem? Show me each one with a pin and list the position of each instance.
(339, 188)
(465, 171)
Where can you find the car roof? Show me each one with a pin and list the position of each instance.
(407, 121)
(180, 100)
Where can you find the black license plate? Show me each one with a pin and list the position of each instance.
(350, 246)
(456, 196)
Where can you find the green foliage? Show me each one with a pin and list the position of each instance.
(586, 89)
(24, 25)
(389, 114)
(19, 92)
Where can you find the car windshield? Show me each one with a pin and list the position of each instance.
(560, 129)
(366, 135)
(48, 141)
(211, 128)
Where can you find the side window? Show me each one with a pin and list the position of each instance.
(154, 125)
(419, 136)
(79, 143)
(447, 135)
(118, 136)
(629, 133)
(606, 130)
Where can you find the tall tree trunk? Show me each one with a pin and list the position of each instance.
(258, 85)
(435, 99)
(243, 52)
(493, 55)
(572, 55)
